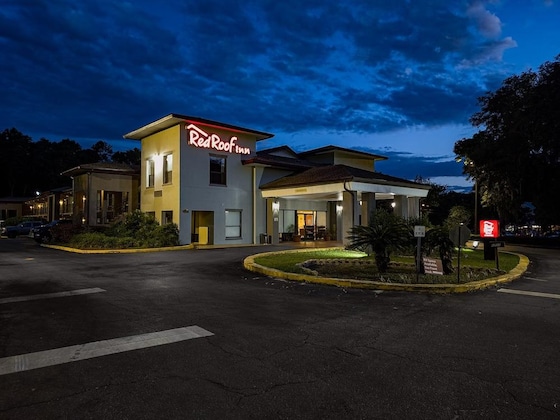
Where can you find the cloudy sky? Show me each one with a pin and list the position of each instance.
(398, 78)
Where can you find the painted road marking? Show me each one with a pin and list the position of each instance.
(52, 295)
(527, 293)
(534, 279)
(29, 361)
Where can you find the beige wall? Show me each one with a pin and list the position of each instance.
(161, 197)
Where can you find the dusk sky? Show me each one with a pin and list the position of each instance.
(396, 78)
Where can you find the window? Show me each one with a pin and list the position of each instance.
(166, 217)
(233, 224)
(150, 172)
(167, 169)
(217, 170)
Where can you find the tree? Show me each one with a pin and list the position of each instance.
(514, 157)
(130, 157)
(103, 150)
(458, 215)
(14, 170)
(385, 234)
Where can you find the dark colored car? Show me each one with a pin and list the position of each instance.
(42, 233)
(22, 229)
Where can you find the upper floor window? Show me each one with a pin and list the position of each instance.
(168, 169)
(217, 170)
(150, 172)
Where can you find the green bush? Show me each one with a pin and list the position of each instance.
(131, 230)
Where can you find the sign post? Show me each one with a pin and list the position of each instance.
(419, 232)
(459, 236)
(490, 229)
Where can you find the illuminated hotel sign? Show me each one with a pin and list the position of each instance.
(489, 229)
(200, 138)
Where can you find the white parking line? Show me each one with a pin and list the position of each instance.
(51, 295)
(24, 362)
(527, 293)
(534, 279)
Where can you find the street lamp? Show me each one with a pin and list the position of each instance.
(467, 161)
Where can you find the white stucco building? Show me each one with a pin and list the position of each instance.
(209, 179)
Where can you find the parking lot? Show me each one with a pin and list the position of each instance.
(191, 334)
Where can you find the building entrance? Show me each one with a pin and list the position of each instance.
(202, 227)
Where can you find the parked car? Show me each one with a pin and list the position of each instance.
(22, 229)
(42, 234)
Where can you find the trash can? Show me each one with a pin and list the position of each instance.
(263, 238)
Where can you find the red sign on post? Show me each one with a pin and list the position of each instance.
(489, 229)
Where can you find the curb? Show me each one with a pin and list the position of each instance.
(250, 264)
(117, 251)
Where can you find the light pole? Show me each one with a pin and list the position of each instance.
(475, 206)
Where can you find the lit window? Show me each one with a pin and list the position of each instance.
(150, 173)
(166, 217)
(168, 169)
(233, 224)
(217, 170)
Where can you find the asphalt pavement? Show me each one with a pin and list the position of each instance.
(192, 334)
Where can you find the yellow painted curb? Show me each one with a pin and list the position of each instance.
(117, 251)
(250, 264)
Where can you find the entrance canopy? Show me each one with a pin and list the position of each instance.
(328, 183)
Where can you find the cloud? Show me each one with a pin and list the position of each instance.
(100, 69)
(487, 23)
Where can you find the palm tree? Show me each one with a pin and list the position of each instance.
(385, 234)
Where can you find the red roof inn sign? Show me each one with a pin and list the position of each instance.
(489, 229)
(200, 138)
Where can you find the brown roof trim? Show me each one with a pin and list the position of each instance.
(338, 173)
(103, 167)
(331, 148)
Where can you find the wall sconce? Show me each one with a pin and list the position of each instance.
(185, 210)
(275, 206)
(339, 208)
(393, 204)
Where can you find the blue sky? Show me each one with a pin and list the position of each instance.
(397, 78)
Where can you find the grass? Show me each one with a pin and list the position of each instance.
(341, 263)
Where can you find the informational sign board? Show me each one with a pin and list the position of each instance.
(489, 228)
(432, 266)
(419, 231)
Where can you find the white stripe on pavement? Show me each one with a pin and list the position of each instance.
(23, 362)
(52, 295)
(534, 279)
(527, 293)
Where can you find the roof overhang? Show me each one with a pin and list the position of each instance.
(333, 191)
(172, 120)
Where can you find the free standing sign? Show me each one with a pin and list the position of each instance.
(489, 229)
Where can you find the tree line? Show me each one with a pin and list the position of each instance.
(29, 166)
(515, 156)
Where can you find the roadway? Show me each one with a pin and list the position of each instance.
(191, 334)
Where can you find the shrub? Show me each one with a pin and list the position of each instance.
(385, 234)
(131, 230)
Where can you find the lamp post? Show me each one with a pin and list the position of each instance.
(467, 161)
(475, 206)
